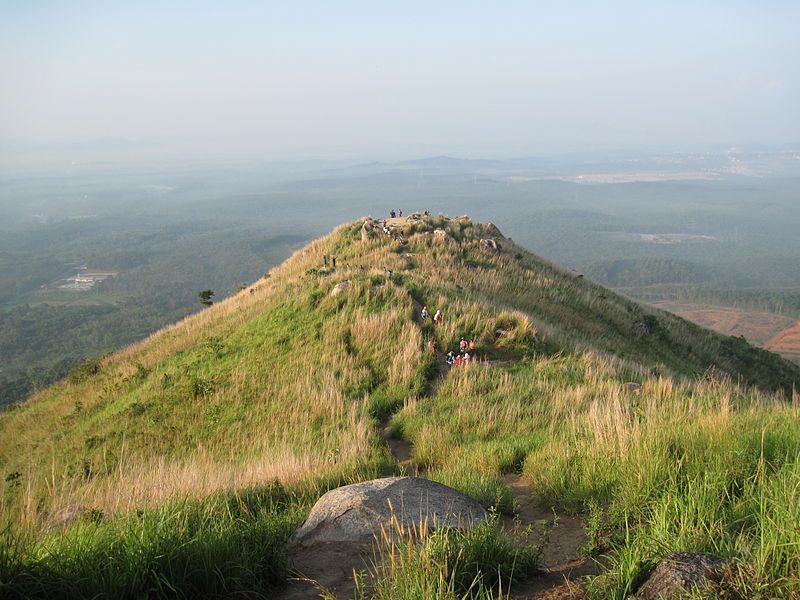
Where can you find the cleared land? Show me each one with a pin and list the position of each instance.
(757, 327)
(787, 342)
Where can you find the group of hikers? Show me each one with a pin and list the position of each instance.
(437, 317)
(466, 348)
(326, 258)
(395, 213)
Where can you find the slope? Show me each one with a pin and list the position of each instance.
(287, 383)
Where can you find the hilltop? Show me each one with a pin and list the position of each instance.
(214, 435)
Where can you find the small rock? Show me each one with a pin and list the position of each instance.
(69, 514)
(680, 572)
(489, 245)
(340, 287)
(632, 387)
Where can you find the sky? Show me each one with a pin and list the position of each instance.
(291, 79)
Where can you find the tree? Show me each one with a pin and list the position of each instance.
(205, 297)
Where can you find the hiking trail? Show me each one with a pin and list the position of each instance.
(561, 537)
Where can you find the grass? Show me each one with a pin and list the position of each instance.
(448, 564)
(284, 388)
(213, 548)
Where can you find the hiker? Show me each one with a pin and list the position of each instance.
(432, 346)
(400, 213)
(467, 358)
(324, 260)
(333, 260)
(424, 314)
(388, 274)
(472, 345)
(437, 318)
(392, 213)
(458, 361)
(451, 358)
(462, 345)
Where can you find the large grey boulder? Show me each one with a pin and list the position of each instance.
(680, 572)
(355, 514)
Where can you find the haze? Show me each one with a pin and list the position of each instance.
(372, 79)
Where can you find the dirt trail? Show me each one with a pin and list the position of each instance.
(401, 449)
(325, 572)
(562, 562)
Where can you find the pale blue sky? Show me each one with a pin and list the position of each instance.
(316, 78)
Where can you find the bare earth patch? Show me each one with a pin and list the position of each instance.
(757, 327)
(563, 564)
(787, 342)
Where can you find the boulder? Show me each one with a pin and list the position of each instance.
(680, 572)
(355, 514)
(440, 234)
(341, 287)
(489, 245)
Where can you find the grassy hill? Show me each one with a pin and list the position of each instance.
(178, 466)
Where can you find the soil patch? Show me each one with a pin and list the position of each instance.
(561, 536)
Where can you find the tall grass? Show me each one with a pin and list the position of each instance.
(448, 564)
(213, 549)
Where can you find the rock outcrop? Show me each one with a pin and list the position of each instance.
(368, 230)
(492, 230)
(354, 514)
(680, 572)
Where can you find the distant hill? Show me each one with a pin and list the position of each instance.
(291, 382)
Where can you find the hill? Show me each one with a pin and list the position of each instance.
(183, 462)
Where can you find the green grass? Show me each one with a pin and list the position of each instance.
(448, 564)
(213, 548)
(693, 466)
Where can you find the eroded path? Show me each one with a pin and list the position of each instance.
(562, 538)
